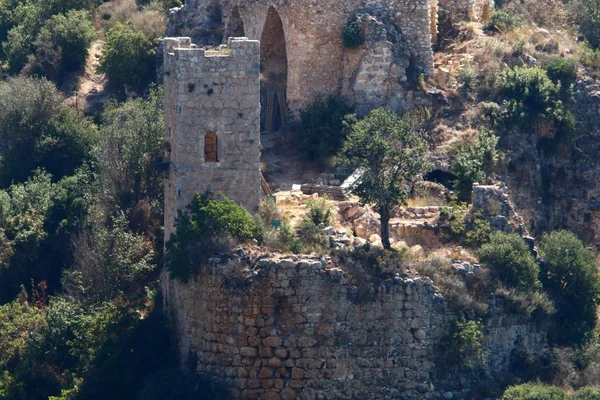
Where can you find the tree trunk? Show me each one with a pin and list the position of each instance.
(384, 213)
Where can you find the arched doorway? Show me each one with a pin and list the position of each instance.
(235, 27)
(273, 69)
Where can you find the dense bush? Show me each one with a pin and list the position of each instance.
(504, 20)
(510, 259)
(39, 131)
(128, 58)
(352, 36)
(530, 87)
(472, 160)
(37, 219)
(588, 393)
(62, 45)
(131, 139)
(319, 212)
(20, 23)
(463, 343)
(311, 236)
(528, 96)
(532, 391)
(320, 132)
(107, 260)
(211, 225)
(563, 70)
(570, 275)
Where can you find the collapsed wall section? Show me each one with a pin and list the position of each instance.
(212, 113)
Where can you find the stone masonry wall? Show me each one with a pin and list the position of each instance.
(471, 10)
(312, 33)
(211, 91)
(305, 329)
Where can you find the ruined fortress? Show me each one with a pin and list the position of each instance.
(302, 328)
(302, 55)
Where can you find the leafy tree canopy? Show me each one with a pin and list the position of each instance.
(390, 154)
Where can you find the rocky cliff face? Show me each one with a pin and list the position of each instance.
(555, 180)
(306, 329)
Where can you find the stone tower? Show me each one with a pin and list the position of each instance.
(212, 123)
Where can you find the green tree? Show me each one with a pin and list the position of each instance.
(390, 154)
(107, 260)
(211, 224)
(131, 139)
(509, 257)
(37, 219)
(128, 58)
(570, 275)
(39, 131)
(320, 132)
(62, 45)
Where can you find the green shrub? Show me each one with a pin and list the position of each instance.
(478, 232)
(509, 257)
(320, 132)
(39, 131)
(504, 20)
(471, 162)
(528, 96)
(311, 236)
(534, 303)
(352, 36)
(588, 56)
(463, 343)
(128, 58)
(563, 70)
(533, 391)
(587, 393)
(530, 86)
(570, 275)
(211, 225)
(319, 212)
(63, 45)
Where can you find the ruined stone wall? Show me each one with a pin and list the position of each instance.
(305, 329)
(211, 91)
(312, 30)
(471, 10)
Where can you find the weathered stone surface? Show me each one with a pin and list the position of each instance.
(211, 103)
(328, 331)
(397, 34)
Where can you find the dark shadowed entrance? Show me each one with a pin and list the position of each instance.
(273, 68)
(235, 27)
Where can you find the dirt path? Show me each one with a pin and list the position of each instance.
(90, 92)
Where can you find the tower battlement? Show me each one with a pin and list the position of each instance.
(212, 122)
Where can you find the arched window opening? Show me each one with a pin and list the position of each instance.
(210, 147)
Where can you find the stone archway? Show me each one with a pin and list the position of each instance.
(235, 26)
(273, 72)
